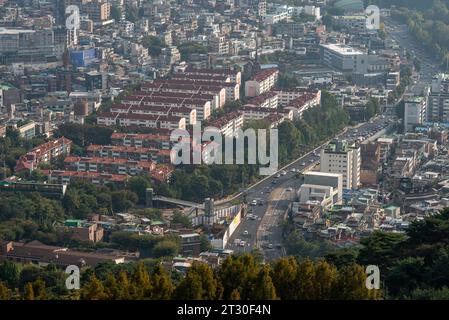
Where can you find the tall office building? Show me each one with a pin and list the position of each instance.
(341, 157)
(438, 102)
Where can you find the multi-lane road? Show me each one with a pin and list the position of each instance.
(262, 227)
(428, 63)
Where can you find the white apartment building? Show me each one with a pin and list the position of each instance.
(262, 82)
(340, 157)
(141, 120)
(415, 112)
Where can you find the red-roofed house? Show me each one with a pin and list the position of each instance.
(43, 153)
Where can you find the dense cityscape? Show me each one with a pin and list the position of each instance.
(313, 136)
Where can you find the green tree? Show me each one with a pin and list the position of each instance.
(264, 288)
(162, 285)
(93, 290)
(166, 248)
(284, 276)
(5, 293)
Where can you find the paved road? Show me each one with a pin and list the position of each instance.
(264, 230)
(429, 67)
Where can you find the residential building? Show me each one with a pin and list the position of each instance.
(438, 101)
(341, 157)
(415, 112)
(43, 153)
(261, 82)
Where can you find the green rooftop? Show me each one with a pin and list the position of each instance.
(6, 86)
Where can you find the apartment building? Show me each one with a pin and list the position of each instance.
(141, 140)
(341, 157)
(285, 97)
(302, 103)
(141, 120)
(269, 99)
(415, 112)
(354, 23)
(234, 76)
(232, 88)
(27, 130)
(229, 123)
(261, 82)
(150, 101)
(97, 10)
(108, 165)
(66, 176)
(159, 110)
(171, 86)
(128, 152)
(43, 153)
(438, 102)
(253, 113)
(219, 44)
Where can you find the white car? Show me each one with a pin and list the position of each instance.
(284, 173)
(254, 202)
(289, 189)
(245, 232)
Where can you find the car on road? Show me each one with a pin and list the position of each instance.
(254, 202)
(284, 172)
(246, 232)
(293, 170)
(303, 164)
(278, 175)
(289, 189)
(274, 181)
(260, 202)
(270, 246)
(242, 243)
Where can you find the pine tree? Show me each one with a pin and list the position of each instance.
(162, 285)
(141, 281)
(28, 292)
(283, 275)
(189, 288)
(304, 282)
(264, 288)
(111, 288)
(93, 290)
(5, 293)
(326, 277)
(39, 289)
(124, 286)
(351, 284)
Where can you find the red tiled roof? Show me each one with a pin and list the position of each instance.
(264, 74)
